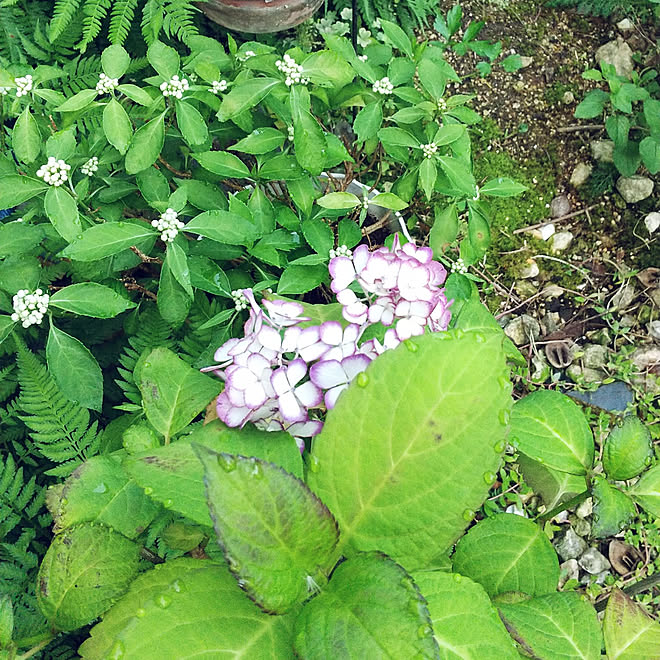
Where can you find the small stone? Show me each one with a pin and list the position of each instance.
(595, 356)
(593, 562)
(524, 288)
(585, 374)
(568, 98)
(600, 336)
(585, 509)
(582, 527)
(652, 222)
(553, 291)
(544, 233)
(526, 61)
(628, 321)
(569, 570)
(560, 206)
(603, 150)
(623, 297)
(580, 175)
(619, 54)
(647, 358)
(571, 546)
(549, 323)
(561, 240)
(625, 25)
(523, 329)
(529, 269)
(634, 188)
(519, 85)
(540, 369)
(654, 329)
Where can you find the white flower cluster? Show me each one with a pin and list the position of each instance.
(383, 86)
(174, 87)
(91, 166)
(429, 149)
(29, 308)
(168, 224)
(4, 91)
(363, 58)
(442, 105)
(243, 57)
(106, 84)
(218, 86)
(292, 70)
(290, 132)
(459, 267)
(23, 85)
(55, 172)
(341, 251)
(240, 301)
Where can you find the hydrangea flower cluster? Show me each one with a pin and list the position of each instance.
(92, 165)
(283, 368)
(240, 300)
(105, 85)
(4, 91)
(218, 86)
(429, 149)
(29, 308)
(23, 85)
(55, 172)
(168, 224)
(244, 57)
(340, 251)
(383, 86)
(292, 70)
(174, 87)
(459, 266)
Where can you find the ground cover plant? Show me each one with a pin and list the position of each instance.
(231, 424)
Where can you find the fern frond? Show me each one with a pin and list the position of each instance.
(60, 429)
(95, 12)
(19, 501)
(121, 19)
(63, 14)
(196, 341)
(152, 20)
(179, 21)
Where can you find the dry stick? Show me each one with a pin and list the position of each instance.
(522, 304)
(179, 173)
(555, 220)
(574, 128)
(637, 588)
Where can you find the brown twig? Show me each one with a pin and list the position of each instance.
(552, 221)
(518, 306)
(574, 128)
(145, 257)
(367, 231)
(134, 286)
(183, 175)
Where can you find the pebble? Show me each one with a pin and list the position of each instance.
(570, 546)
(588, 375)
(526, 61)
(569, 570)
(625, 25)
(603, 150)
(522, 328)
(654, 329)
(646, 358)
(529, 269)
(652, 222)
(623, 297)
(619, 54)
(560, 206)
(595, 356)
(582, 527)
(580, 174)
(568, 98)
(593, 562)
(553, 291)
(561, 240)
(634, 188)
(585, 508)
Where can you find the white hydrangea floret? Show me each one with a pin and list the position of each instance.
(168, 225)
(55, 172)
(383, 86)
(23, 85)
(243, 57)
(363, 58)
(105, 85)
(429, 149)
(442, 105)
(459, 267)
(91, 166)
(175, 87)
(292, 70)
(218, 86)
(290, 133)
(240, 301)
(4, 91)
(341, 251)
(29, 308)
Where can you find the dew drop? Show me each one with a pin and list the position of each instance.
(489, 477)
(117, 651)
(168, 503)
(64, 501)
(424, 631)
(163, 601)
(479, 338)
(257, 471)
(647, 461)
(468, 515)
(514, 441)
(314, 463)
(120, 224)
(458, 333)
(500, 446)
(416, 607)
(362, 379)
(227, 462)
(410, 345)
(234, 564)
(178, 586)
(140, 613)
(457, 577)
(504, 382)
(101, 488)
(504, 416)
(79, 236)
(148, 490)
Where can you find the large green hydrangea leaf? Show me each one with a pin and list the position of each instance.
(412, 446)
(630, 633)
(188, 608)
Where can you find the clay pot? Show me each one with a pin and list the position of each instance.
(259, 15)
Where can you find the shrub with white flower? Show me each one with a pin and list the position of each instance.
(23, 85)
(55, 172)
(105, 85)
(29, 308)
(459, 266)
(429, 149)
(218, 86)
(168, 224)
(240, 300)
(92, 165)
(244, 57)
(292, 70)
(175, 87)
(340, 251)
(383, 86)
(283, 369)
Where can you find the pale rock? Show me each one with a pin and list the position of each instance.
(582, 527)
(593, 562)
(561, 240)
(603, 150)
(569, 570)
(519, 85)
(525, 288)
(560, 206)
(654, 329)
(624, 295)
(595, 356)
(625, 25)
(647, 357)
(585, 509)
(652, 222)
(523, 329)
(529, 269)
(553, 291)
(540, 369)
(526, 61)
(568, 98)
(585, 374)
(580, 175)
(634, 188)
(619, 54)
(570, 546)
(545, 232)
(628, 321)
(549, 322)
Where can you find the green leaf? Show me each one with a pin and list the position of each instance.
(188, 609)
(627, 450)
(224, 227)
(6, 622)
(444, 229)
(428, 173)
(388, 201)
(630, 633)
(191, 123)
(136, 94)
(146, 145)
(553, 486)
(18, 238)
(478, 229)
(85, 570)
(204, 195)
(449, 133)
(107, 239)
(115, 61)
(164, 59)
(175, 476)
(100, 491)
(512, 63)
(117, 126)
(649, 149)
(319, 235)
(260, 141)
(548, 427)
(397, 37)
(178, 263)
(508, 553)
(348, 233)
(618, 127)
(613, 509)
(433, 78)
(153, 185)
(397, 137)
(308, 137)
(338, 200)
(465, 624)
(560, 625)
(62, 211)
(16, 189)
(291, 540)
(205, 274)
(173, 300)
(62, 144)
(327, 69)
(414, 444)
(223, 164)
(368, 121)
(245, 96)
(78, 101)
(459, 175)
(26, 138)
(592, 105)
(173, 393)
(90, 299)
(646, 492)
(300, 279)
(371, 608)
(74, 369)
(262, 211)
(6, 326)
(502, 187)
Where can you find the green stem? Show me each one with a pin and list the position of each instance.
(40, 642)
(573, 502)
(632, 590)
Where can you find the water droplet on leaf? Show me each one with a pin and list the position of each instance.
(362, 379)
(314, 463)
(410, 345)
(148, 490)
(500, 446)
(140, 613)
(163, 600)
(468, 515)
(101, 488)
(117, 651)
(505, 416)
(489, 477)
(424, 631)
(178, 586)
(168, 503)
(257, 471)
(479, 338)
(457, 577)
(227, 462)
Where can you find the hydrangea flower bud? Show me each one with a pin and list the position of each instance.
(29, 308)
(55, 172)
